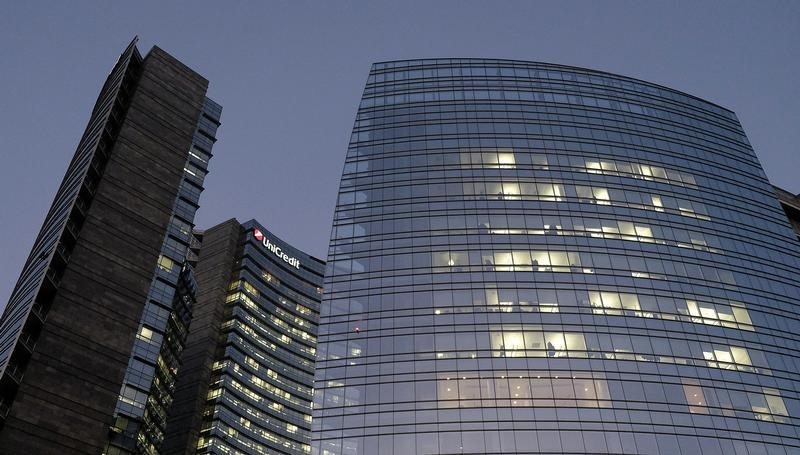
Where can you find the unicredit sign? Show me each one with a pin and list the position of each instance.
(294, 262)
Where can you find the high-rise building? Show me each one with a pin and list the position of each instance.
(791, 206)
(247, 376)
(530, 258)
(90, 338)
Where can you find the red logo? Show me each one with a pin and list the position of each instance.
(258, 235)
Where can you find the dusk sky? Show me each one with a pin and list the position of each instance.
(289, 76)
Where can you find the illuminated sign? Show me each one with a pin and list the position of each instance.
(294, 262)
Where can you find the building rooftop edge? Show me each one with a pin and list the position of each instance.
(255, 221)
(559, 65)
(787, 198)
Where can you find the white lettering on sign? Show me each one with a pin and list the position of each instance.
(278, 251)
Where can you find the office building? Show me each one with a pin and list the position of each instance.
(791, 206)
(246, 381)
(535, 258)
(90, 336)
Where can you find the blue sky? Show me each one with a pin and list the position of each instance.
(289, 76)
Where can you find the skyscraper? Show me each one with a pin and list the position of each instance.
(791, 206)
(530, 258)
(247, 375)
(91, 333)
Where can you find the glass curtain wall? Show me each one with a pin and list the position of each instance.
(529, 258)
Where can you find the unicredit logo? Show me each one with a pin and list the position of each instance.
(294, 262)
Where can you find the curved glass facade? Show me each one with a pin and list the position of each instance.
(257, 392)
(536, 258)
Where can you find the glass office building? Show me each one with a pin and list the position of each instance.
(246, 380)
(791, 206)
(533, 258)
